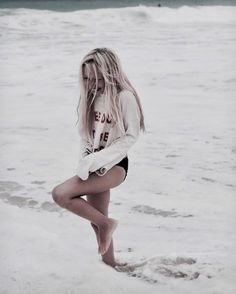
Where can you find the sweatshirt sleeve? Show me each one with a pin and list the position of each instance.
(118, 148)
(84, 146)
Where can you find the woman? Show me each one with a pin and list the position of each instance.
(110, 118)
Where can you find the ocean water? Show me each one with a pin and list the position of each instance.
(176, 209)
(71, 5)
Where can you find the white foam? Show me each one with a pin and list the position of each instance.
(119, 16)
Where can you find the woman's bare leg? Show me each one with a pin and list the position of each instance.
(68, 195)
(101, 203)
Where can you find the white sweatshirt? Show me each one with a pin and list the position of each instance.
(109, 145)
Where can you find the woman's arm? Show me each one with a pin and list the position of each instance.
(85, 148)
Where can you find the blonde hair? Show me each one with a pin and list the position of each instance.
(107, 63)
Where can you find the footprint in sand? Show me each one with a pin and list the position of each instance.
(160, 269)
(172, 155)
(38, 182)
(18, 200)
(208, 179)
(146, 209)
(48, 206)
(9, 187)
(4, 195)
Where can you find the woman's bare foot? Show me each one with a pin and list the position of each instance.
(121, 263)
(105, 234)
(115, 263)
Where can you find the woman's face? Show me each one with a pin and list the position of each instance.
(90, 79)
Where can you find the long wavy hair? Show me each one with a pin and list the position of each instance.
(105, 62)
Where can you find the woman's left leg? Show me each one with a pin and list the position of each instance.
(101, 201)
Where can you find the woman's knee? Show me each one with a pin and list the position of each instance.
(58, 197)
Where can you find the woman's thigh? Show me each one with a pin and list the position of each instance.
(74, 187)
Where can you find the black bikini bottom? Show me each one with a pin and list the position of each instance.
(124, 163)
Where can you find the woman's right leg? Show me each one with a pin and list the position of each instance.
(101, 203)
